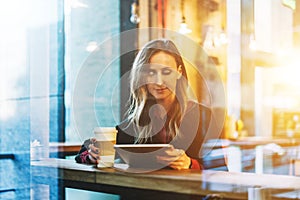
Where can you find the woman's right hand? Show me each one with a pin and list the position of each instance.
(88, 153)
(93, 151)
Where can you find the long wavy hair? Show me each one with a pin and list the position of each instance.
(141, 101)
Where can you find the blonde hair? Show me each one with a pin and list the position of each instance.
(141, 100)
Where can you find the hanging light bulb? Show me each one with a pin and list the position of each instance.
(134, 18)
(223, 37)
(209, 42)
(183, 26)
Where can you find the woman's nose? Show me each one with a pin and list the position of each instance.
(159, 79)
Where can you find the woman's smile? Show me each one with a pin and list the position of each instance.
(161, 90)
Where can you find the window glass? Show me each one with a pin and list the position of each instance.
(92, 66)
(31, 90)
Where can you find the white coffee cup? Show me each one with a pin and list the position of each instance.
(106, 138)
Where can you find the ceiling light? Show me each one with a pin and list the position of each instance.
(183, 26)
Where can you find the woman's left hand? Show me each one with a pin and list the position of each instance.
(175, 158)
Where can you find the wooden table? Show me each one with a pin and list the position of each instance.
(63, 149)
(261, 148)
(162, 184)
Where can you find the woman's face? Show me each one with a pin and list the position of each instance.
(162, 75)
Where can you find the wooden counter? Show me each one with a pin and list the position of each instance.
(63, 149)
(164, 183)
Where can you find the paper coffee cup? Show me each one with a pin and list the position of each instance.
(106, 138)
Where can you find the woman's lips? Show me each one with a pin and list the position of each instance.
(161, 90)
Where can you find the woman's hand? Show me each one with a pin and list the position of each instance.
(175, 158)
(93, 151)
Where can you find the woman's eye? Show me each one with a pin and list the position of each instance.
(150, 72)
(166, 71)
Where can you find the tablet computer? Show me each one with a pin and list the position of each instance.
(141, 155)
(142, 148)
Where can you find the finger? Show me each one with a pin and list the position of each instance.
(166, 163)
(175, 152)
(94, 149)
(176, 164)
(167, 149)
(179, 165)
(94, 155)
(92, 159)
(93, 140)
(176, 167)
(166, 158)
(173, 157)
(182, 163)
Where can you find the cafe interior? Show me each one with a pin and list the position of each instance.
(64, 76)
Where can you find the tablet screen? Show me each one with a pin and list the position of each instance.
(141, 155)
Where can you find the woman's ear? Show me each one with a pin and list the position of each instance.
(179, 70)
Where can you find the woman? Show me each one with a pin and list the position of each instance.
(160, 110)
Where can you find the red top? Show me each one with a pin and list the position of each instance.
(195, 164)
